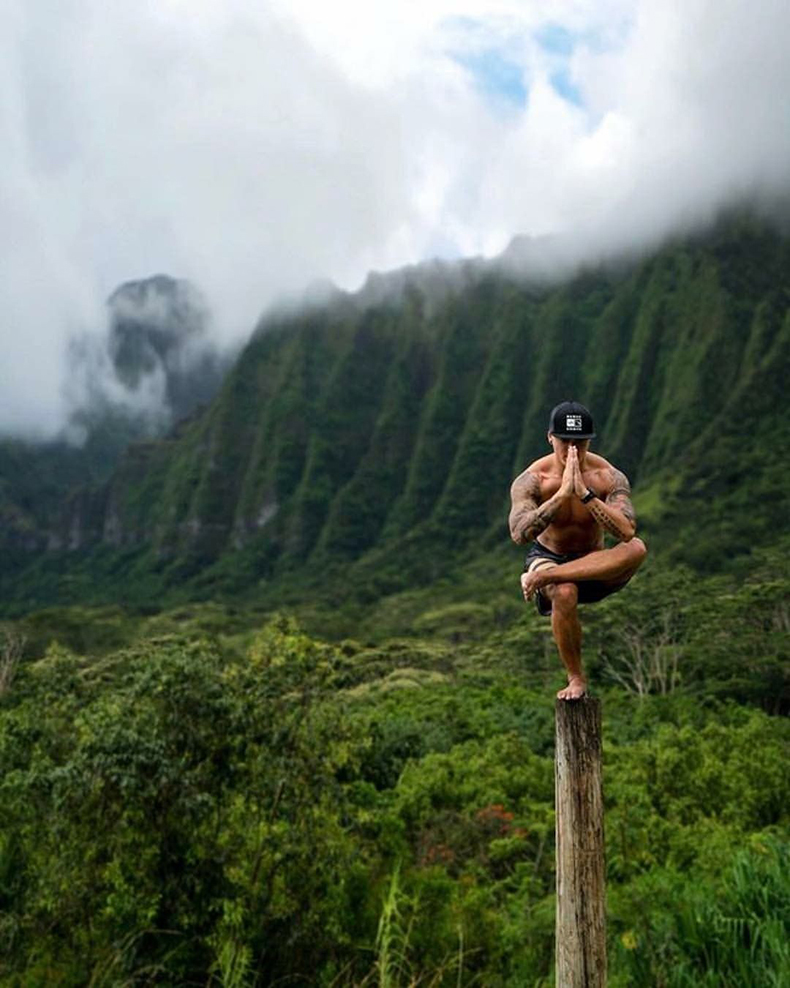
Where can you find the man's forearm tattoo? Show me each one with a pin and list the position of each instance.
(530, 518)
(538, 520)
(620, 495)
(620, 499)
(612, 526)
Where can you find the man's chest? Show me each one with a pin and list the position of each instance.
(572, 511)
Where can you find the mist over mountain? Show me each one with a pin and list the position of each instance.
(155, 363)
(350, 141)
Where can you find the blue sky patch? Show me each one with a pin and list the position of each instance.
(561, 83)
(495, 75)
(491, 56)
(558, 43)
(556, 39)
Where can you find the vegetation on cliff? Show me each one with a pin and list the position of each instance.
(390, 425)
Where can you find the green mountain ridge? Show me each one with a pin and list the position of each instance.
(390, 425)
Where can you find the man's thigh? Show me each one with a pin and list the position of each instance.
(591, 591)
(540, 562)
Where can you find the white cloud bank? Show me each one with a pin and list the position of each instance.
(253, 147)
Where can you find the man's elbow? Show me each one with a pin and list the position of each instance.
(628, 532)
(521, 536)
(517, 537)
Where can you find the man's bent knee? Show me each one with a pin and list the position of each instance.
(564, 596)
(638, 550)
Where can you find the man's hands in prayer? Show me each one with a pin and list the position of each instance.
(579, 486)
(568, 482)
(572, 481)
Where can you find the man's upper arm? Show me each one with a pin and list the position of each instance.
(619, 496)
(525, 499)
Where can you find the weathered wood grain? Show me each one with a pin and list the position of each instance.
(581, 922)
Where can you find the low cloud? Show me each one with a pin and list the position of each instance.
(153, 366)
(256, 148)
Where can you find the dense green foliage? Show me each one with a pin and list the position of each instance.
(194, 797)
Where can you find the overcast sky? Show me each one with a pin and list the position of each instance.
(255, 146)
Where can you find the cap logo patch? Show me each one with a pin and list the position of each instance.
(573, 423)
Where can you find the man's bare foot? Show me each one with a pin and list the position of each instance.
(534, 580)
(575, 690)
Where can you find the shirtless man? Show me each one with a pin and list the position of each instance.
(563, 504)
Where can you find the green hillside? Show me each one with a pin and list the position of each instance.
(391, 423)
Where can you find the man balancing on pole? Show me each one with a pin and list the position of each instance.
(563, 504)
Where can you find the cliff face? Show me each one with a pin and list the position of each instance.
(386, 417)
(158, 341)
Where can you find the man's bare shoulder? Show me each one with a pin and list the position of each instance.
(535, 472)
(595, 461)
(543, 466)
(608, 478)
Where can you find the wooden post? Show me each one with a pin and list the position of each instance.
(581, 920)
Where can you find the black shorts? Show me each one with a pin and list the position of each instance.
(590, 591)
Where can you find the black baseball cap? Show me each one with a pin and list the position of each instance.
(571, 420)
